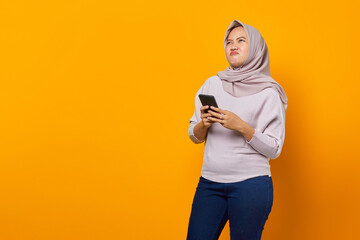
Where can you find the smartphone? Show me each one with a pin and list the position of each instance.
(208, 100)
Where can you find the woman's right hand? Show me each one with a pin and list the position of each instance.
(201, 129)
(204, 116)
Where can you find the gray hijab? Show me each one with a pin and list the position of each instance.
(253, 75)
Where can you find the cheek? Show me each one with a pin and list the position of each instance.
(227, 51)
(243, 49)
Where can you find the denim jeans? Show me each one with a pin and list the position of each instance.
(246, 204)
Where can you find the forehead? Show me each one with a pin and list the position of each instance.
(237, 32)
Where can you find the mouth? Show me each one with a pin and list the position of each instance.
(233, 53)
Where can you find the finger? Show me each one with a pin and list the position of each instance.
(207, 120)
(218, 109)
(216, 120)
(204, 107)
(218, 115)
(204, 115)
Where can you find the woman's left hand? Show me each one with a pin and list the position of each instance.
(226, 118)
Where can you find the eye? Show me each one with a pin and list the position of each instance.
(239, 41)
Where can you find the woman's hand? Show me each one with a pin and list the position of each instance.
(231, 121)
(204, 117)
(226, 118)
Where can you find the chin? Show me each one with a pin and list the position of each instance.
(235, 65)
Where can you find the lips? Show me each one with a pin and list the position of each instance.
(233, 53)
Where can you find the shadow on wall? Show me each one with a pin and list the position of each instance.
(292, 203)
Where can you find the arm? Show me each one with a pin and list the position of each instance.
(268, 137)
(198, 131)
(199, 123)
(269, 140)
(247, 131)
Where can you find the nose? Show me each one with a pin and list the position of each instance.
(233, 47)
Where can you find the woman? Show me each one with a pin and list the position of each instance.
(235, 181)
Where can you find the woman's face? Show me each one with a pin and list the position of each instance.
(237, 47)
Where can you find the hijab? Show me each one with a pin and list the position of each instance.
(253, 75)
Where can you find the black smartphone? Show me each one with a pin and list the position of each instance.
(208, 100)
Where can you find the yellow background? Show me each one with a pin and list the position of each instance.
(95, 102)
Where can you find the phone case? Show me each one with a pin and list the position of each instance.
(207, 100)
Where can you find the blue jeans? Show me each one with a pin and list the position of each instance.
(247, 204)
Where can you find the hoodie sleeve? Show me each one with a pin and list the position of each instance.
(269, 135)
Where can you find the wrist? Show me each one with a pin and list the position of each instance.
(248, 132)
(202, 124)
(241, 128)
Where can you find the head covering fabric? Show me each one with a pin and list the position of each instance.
(253, 75)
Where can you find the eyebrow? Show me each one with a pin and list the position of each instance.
(236, 39)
